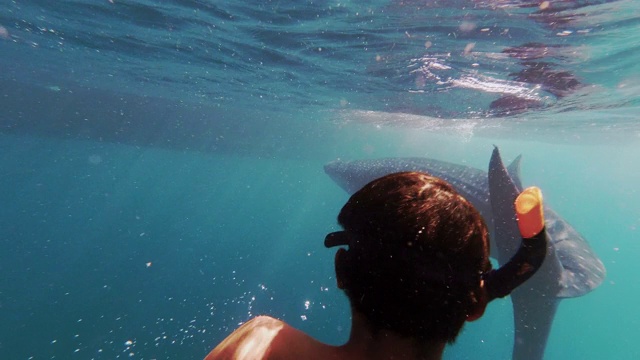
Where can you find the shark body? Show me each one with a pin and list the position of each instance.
(571, 268)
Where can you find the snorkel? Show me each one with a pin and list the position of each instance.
(533, 248)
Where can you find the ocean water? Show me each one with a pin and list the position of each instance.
(161, 163)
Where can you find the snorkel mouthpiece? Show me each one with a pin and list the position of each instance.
(533, 249)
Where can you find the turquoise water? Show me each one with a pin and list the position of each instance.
(162, 162)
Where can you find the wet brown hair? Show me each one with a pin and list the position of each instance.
(416, 252)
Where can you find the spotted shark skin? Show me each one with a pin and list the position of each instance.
(571, 268)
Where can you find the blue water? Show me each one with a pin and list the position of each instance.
(161, 163)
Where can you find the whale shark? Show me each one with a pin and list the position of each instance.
(570, 269)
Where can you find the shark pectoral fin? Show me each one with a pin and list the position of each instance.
(580, 274)
(581, 281)
(582, 270)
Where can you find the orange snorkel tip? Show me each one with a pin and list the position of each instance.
(529, 212)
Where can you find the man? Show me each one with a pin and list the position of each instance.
(416, 269)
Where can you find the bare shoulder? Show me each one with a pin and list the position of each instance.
(252, 340)
(264, 338)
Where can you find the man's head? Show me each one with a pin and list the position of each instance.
(417, 250)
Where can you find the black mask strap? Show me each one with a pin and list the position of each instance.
(500, 282)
